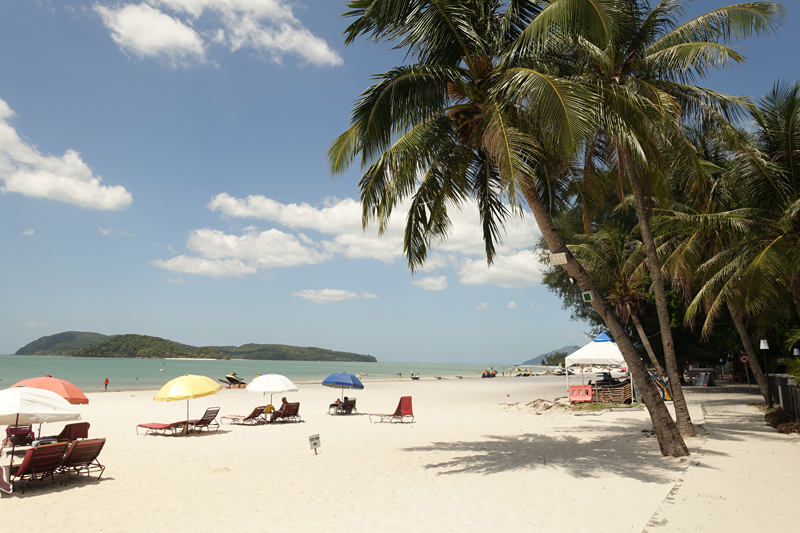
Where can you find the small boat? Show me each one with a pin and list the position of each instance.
(415, 376)
(232, 380)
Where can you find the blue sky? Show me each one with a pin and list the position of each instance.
(162, 167)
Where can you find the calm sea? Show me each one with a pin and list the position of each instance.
(88, 373)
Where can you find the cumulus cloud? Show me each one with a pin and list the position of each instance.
(511, 305)
(149, 33)
(316, 234)
(180, 31)
(431, 283)
(28, 232)
(215, 268)
(517, 270)
(482, 306)
(105, 231)
(326, 296)
(369, 296)
(67, 178)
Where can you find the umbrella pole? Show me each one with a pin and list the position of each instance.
(186, 425)
(13, 447)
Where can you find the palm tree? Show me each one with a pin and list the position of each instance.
(478, 117)
(645, 75)
(616, 256)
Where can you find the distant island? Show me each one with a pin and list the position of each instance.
(88, 344)
(540, 359)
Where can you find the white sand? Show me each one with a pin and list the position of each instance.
(467, 463)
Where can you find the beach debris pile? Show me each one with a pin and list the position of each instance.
(541, 406)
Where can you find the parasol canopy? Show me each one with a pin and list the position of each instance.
(65, 389)
(187, 387)
(272, 384)
(343, 380)
(28, 405)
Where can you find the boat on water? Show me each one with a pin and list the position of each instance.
(233, 381)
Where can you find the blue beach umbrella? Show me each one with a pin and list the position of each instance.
(343, 380)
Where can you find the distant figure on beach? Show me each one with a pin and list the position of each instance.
(106, 384)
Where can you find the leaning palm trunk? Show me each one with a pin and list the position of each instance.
(647, 347)
(751, 353)
(667, 433)
(657, 283)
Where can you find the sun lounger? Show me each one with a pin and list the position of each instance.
(39, 463)
(17, 436)
(81, 456)
(256, 417)
(403, 413)
(289, 411)
(70, 433)
(155, 428)
(343, 408)
(207, 422)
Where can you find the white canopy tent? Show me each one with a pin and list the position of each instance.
(601, 351)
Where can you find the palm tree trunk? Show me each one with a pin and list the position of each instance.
(669, 438)
(647, 347)
(751, 353)
(657, 282)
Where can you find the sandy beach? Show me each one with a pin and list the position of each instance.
(476, 458)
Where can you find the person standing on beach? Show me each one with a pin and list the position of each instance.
(106, 384)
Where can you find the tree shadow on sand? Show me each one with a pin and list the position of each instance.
(622, 450)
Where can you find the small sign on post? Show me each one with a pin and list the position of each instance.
(314, 442)
(587, 296)
(558, 259)
(745, 360)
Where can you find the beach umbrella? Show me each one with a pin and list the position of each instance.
(187, 387)
(65, 389)
(28, 405)
(343, 380)
(272, 384)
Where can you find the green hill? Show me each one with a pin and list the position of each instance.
(83, 344)
(144, 346)
(62, 343)
(282, 352)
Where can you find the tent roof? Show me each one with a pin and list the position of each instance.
(601, 351)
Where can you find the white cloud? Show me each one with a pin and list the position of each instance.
(221, 268)
(34, 325)
(482, 306)
(28, 232)
(106, 231)
(511, 305)
(326, 296)
(177, 281)
(67, 178)
(520, 269)
(165, 29)
(431, 283)
(271, 248)
(149, 33)
(369, 296)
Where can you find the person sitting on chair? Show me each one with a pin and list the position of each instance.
(279, 412)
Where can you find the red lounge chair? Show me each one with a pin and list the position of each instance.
(155, 428)
(256, 417)
(82, 457)
(39, 463)
(207, 422)
(70, 433)
(289, 411)
(403, 412)
(18, 436)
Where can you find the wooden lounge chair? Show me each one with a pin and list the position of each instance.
(155, 428)
(207, 422)
(289, 411)
(401, 414)
(81, 456)
(39, 463)
(256, 417)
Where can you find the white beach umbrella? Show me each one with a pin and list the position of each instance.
(272, 384)
(28, 405)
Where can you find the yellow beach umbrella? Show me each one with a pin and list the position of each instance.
(187, 387)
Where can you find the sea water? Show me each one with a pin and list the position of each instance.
(88, 373)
